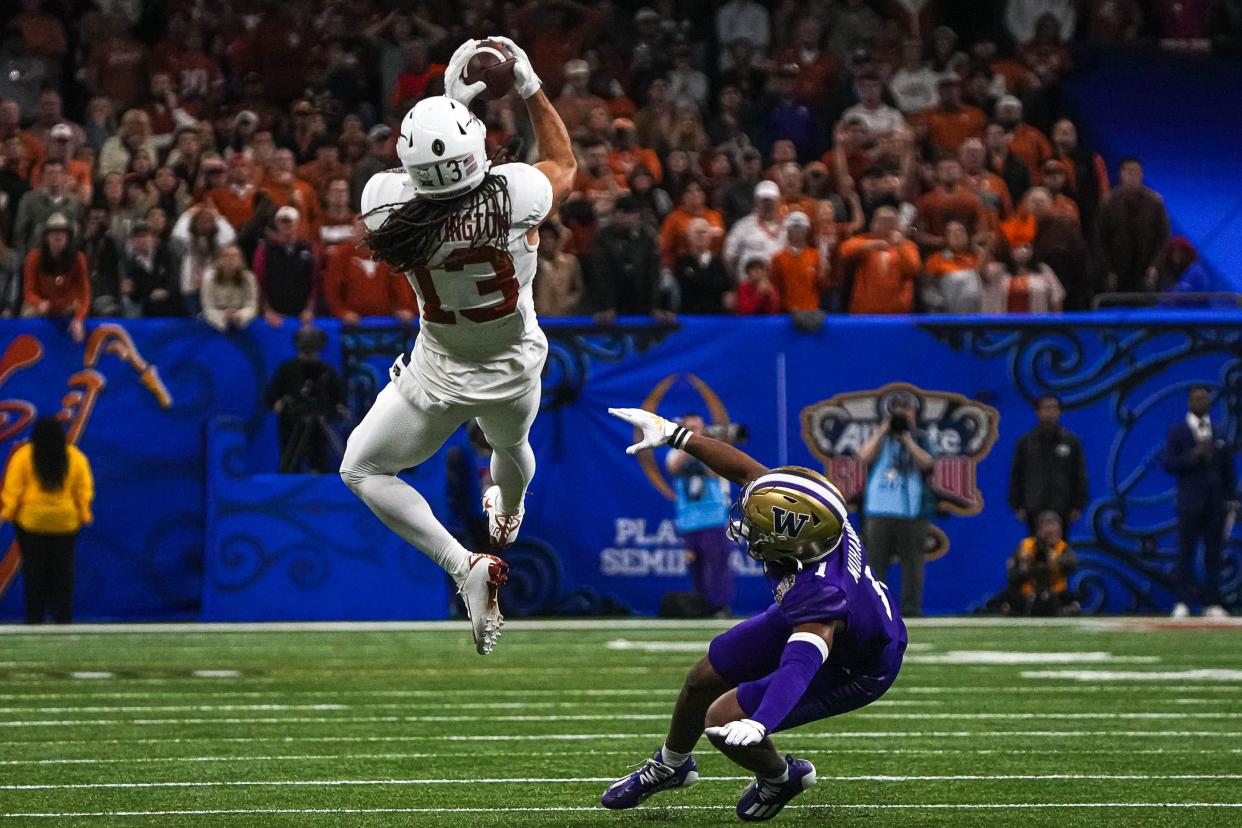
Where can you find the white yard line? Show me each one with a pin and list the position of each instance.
(904, 806)
(575, 624)
(614, 737)
(579, 780)
(382, 757)
(216, 693)
(583, 717)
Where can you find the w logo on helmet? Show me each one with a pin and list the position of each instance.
(788, 524)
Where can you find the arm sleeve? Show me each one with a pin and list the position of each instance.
(1017, 471)
(316, 280)
(250, 299)
(14, 484)
(530, 194)
(804, 654)
(211, 313)
(83, 489)
(260, 271)
(83, 276)
(334, 279)
(1178, 457)
(1081, 492)
(30, 278)
(384, 193)
(181, 230)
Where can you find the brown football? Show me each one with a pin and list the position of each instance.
(493, 64)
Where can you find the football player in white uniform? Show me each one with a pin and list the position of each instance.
(465, 234)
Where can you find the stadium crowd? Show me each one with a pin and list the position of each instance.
(180, 157)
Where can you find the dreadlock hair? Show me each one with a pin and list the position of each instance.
(51, 459)
(412, 234)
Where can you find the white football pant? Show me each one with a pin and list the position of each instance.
(399, 432)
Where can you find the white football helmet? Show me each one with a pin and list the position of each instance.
(442, 147)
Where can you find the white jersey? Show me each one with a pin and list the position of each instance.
(479, 337)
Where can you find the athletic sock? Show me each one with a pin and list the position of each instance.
(778, 780)
(512, 469)
(405, 511)
(672, 758)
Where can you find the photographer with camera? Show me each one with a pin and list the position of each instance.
(1038, 573)
(307, 395)
(701, 517)
(899, 500)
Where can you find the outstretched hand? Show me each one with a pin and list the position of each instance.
(655, 429)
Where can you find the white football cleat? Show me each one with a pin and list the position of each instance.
(480, 592)
(1180, 610)
(1215, 611)
(502, 529)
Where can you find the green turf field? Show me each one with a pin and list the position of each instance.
(396, 726)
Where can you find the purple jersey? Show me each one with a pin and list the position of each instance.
(841, 588)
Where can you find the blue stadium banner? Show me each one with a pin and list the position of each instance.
(192, 522)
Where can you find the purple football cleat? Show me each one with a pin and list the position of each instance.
(651, 777)
(764, 800)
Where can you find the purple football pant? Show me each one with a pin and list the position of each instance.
(746, 656)
(710, 571)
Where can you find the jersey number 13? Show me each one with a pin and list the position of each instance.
(502, 282)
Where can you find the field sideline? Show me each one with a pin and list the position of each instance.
(1116, 721)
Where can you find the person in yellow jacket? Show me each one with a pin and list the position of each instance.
(47, 494)
(1039, 573)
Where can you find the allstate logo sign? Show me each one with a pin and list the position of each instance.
(960, 430)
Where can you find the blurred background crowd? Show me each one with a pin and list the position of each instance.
(182, 157)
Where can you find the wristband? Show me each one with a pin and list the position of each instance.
(680, 437)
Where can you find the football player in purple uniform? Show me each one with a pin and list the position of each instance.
(832, 642)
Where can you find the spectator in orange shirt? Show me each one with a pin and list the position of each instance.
(117, 64)
(355, 285)
(626, 154)
(1045, 54)
(950, 201)
(673, 241)
(951, 122)
(1086, 171)
(1012, 169)
(234, 199)
(793, 194)
(954, 282)
(287, 190)
(1056, 183)
(575, 102)
(981, 181)
(885, 265)
(337, 225)
(57, 278)
(1029, 144)
(595, 181)
(797, 270)
(415, 76)
(1020, 284)
(818, 70)
(326, 166)
(10, 127)
(77, 173)
(43, 33)
(757, 296)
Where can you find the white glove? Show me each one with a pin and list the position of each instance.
(656, 430)
(742, 733)
(455, 86)
(525, 81)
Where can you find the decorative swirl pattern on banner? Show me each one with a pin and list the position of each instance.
(1139, 373)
